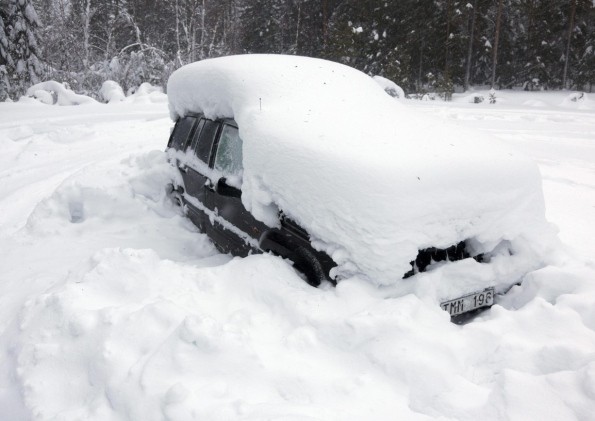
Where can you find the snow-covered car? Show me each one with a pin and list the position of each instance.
(312, 161)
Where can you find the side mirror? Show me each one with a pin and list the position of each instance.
(225, 189)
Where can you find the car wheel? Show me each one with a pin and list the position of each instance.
(306, 262)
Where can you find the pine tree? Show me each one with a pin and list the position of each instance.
(5, 58)
(368, 35)
(579, 57)
(472, 15)
(423, 45)
(264, 27)
(23, 67)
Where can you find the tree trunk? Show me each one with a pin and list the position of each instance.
(178, 55)
(470, 47)
(447, 41)
(496, 40)
(86, 34)
(570, 29)
(420, 67)
(202, 30)
(213, 38)
(324, 24)
(297, 27)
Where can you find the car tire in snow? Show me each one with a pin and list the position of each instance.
(308, 264)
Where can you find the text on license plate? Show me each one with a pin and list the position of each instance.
(469, 302)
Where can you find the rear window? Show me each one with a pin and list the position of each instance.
(181, 133)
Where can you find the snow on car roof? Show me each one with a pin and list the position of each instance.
(371, 180)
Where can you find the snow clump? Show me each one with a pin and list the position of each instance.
(111, 92)
(147, 93)
(578, 100)
(390, 87)
(52, 92)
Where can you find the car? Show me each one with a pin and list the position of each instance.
(312, 161)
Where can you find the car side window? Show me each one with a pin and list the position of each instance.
(179, 136)
(196, 136)
(205, 142)
(229, 152)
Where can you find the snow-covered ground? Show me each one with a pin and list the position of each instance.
(113, 307)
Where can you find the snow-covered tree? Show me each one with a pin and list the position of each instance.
(264, 28)
(422, 45)
(5, 58)
(23, 68)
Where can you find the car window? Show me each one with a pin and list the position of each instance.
(229, 152)
(207, 137)
(181, 132)
(197, 132)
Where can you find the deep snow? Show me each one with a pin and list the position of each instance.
(112, 307)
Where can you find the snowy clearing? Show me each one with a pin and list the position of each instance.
(113, 307)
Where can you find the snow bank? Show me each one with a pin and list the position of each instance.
(418, 183)
(111, 92)
(390, 87)
(52, 92)
(534, 103)
(130, 335)
(370, 179)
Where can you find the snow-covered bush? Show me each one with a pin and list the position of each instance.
(492, 96)
(133, 68)
(47, 97)
(147, 93)
(52, 92)
(111, 91)
(578, 97)
(146, 89)
(579, 100)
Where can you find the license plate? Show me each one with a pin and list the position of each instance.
(469, 302)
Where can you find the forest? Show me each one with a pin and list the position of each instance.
(438, 46)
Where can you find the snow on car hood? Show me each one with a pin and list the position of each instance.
(372, 181)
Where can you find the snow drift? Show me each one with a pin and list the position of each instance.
(371, 180)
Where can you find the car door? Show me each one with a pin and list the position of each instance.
(179, 141)
(194, 171)
(235, 230)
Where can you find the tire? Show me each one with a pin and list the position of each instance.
(307, 263)
(303, 258)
